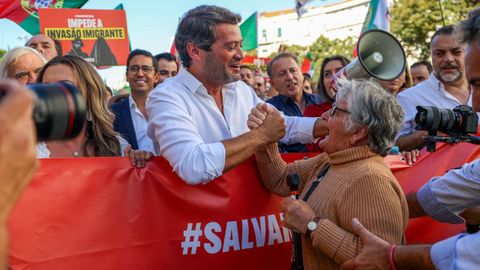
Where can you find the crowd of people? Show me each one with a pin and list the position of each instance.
(214, 113)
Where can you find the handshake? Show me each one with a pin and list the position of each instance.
(268, 122)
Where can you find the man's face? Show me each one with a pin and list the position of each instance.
(141, 74)
(166, 69)
(44, 45)
(259, 86)
(26, 68)
(246, 75)
(447, 58)
(221, 65)
(419, 73)
(472, 70)
(287, 78)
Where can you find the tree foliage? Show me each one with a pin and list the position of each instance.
(415, 21)
(2, 52)
(321, 48)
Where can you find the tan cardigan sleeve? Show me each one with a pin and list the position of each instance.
(274, 170)
(375, 202)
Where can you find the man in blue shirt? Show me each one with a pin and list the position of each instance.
(286, 76)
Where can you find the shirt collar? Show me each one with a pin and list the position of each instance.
(131, 102)
(193, 84)
(309, 98)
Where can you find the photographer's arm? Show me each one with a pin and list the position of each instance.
(16, 166)
(411, 141)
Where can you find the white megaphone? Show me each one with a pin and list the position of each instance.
(380, 55)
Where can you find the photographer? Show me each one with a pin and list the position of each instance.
(442, 198)
(17, 151)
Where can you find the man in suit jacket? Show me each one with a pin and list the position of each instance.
(130, 114)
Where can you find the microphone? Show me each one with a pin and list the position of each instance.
(293, 181)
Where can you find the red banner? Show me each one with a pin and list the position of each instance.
(98, 36)
(101, 213)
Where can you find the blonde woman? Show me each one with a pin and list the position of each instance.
(99, 138)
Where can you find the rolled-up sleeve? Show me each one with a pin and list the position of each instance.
(408, 117)
(177, 139)
(299, 130)
(443, 198)
(458, 252)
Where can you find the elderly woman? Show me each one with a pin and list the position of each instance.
(22, 64)
(350, 179)
(98, 139)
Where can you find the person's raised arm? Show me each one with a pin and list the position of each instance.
(18, 161)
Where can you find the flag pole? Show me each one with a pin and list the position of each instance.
(441, 12)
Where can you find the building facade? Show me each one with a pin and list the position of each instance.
(336, 20)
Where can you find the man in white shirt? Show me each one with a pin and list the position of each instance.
(446, 87)
(130, 113)
(198, 119)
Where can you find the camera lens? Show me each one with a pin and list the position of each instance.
(59, 111)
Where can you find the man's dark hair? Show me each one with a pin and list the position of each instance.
(167, 56)
(144, 53)
(425, 63)
(198, 26)
(469, 29)
(445, 30)
(279, 56)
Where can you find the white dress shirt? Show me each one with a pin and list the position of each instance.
(43, 152)
(443, 198)
(140, 125)
(430, 92)
(187, 127)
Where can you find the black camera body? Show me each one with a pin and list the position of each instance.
(458, 123)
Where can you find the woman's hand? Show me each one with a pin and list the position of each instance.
(296, 215)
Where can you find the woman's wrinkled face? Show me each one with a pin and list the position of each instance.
(338, 138)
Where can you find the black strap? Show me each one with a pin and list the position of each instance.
(316, 181)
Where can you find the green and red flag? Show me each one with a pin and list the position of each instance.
(25, 12)
(307, 64)
(378, 17)
(249, 33)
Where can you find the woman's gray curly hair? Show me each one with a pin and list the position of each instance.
(371, 106)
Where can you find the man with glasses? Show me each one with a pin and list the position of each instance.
(130, 114)
(167, 66)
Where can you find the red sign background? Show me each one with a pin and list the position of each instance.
(88, 25)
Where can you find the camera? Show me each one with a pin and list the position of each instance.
(59, 111)
(461, 120)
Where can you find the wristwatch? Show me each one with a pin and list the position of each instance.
(312, 225)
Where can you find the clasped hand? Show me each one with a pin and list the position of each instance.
(268, 121)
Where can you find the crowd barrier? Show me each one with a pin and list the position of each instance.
(101, 213)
